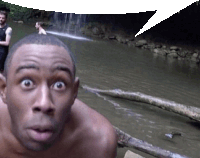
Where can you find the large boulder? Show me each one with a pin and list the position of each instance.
(122, 38)
(140, 43)
(195, 55)
(173, 55)
(160, 51)
(174, 48)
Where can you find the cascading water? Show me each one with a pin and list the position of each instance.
(68, 25)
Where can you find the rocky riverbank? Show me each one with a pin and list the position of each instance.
(161, 47)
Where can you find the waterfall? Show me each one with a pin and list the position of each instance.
(68, 22)
(68, 25)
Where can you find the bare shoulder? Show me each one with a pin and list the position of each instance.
(9, 31)
(97, 135)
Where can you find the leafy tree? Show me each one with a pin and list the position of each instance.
(17, 12)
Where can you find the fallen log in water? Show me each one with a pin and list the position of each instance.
(125, 140)
(188, 111)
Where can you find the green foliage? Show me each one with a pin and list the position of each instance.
(17, 12)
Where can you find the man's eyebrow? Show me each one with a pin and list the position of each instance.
(31, 66)
(63, 68)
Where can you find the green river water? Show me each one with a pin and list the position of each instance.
(110, 65)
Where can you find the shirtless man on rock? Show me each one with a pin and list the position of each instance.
(40, 115)
(38, 26)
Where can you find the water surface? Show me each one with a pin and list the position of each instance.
(110, 65)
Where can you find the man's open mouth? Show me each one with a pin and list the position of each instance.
(40, 134)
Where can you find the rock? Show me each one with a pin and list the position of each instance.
(166, 51)
(103, 28)
(158, 46)
(130, 154)
(193, 59)
(96, 31)
(184, 53)
(87, 32)
(88, 26)
(172, 51)
(195, 55)
(156, 51)
(19, 22)
(101, 36)
(175, 48)
(163, 53)
(196, 51)
(151, 46)
(160, 51)
(140, 43)
(121, 39)
(173, 55)
(164, 47)
(82, 30)
(131, 43)
(143, 47)
(111, 37)
(180, 58)
(130, 39)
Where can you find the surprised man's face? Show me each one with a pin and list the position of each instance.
(40, 91)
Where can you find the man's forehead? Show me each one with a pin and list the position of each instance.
(34, 48)
(1, 14)
(41, 51)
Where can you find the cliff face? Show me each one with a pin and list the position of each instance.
(183, 27)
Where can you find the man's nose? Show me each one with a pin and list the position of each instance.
(43, 101)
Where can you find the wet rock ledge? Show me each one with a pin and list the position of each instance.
(172, 51)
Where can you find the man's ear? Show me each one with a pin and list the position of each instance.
(76, 86)
(3, 88)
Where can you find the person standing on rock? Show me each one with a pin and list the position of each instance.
(38, 26)
(5, 37)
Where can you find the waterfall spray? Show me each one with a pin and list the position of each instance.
(68, 25)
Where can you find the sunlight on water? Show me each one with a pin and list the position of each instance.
(68, 35)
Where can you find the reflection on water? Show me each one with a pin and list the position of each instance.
(109, 65)
(67, 35)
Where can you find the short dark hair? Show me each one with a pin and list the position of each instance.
(39, 39)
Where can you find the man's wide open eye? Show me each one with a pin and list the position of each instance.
(59, 85)
(27, 83)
